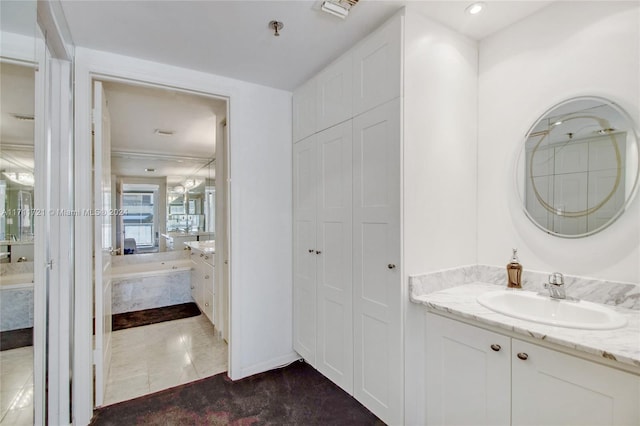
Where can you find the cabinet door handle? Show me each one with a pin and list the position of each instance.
(495, 347)
(192, 287)
(206, 304)
(318, 252)
(201, 254)
(391, 266)
(206, 277)
(311, 251)
(523, 356)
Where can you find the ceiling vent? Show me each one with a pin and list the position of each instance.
(339, 8)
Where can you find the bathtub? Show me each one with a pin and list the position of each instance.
(16, 301)
(151, 284)
(150, 269)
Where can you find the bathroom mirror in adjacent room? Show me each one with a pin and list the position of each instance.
(578, 168)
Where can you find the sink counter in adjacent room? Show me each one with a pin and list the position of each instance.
(207, 247)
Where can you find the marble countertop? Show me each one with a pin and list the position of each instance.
(621, 345)
(173, 234)
(208, 246)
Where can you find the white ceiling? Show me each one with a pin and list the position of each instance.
(137, 111)
(17, 91)
(232, 38)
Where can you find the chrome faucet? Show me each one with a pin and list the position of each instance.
(556, 286)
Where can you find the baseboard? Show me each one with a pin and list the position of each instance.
(268, 365)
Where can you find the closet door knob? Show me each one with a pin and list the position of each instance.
(495, 347)
(523, 356)
(318, 252)
(311, 251)
(391, 266)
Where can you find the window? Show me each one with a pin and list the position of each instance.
(138, 222)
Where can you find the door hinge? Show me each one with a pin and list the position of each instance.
(50, 264)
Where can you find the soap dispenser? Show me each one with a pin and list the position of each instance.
(514, 271)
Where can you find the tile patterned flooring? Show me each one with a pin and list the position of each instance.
(159, 356)
(16, 387)
(144, 360)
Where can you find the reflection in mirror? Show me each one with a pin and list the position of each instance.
(580, 167)
(163, 150)
(19, 381)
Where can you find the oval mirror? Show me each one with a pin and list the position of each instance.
(578, 168)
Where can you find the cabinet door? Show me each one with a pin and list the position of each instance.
(335, 93)
(377, 275)
(334, 357)
(377, 67)
(304, 248)
(552, 388)
(468, 374)
(304, 111)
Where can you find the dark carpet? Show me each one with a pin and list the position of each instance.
(153, 316)
(293, 395)
(14, 339)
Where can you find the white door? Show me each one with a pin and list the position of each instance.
(103, 243)
(552, 388)
(304, 249)
(468, 374)
(377, 275)
(334, 356)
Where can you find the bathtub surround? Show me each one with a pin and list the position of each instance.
(153, 316)
(152, 280)
(624, 295)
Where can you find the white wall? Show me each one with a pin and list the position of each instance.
(439, 211)
(261, 204)
(565, 50)
(440, 128)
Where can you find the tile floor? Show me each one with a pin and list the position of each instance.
(16, 387)
(159, 356)
(144, 360)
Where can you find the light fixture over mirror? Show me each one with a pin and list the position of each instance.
(578, 167)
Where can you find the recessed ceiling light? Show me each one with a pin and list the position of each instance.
(475, 8)
(164, 132)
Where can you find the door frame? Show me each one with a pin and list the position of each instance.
(89, 66)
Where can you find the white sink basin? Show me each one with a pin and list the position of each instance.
(531, 306)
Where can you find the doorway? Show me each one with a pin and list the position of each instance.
(160, 272)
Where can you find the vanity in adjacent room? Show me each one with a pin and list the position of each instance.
(202, 275)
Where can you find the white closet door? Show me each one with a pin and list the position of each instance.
(304, 110)
(334, 357)
(304, 248)
(377, 277)
(377, 67)
(335, 96)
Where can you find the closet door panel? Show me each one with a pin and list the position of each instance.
(304, 111)
(335, 294)
(377, 275)
(335, 93)
(377, 67)
(304, 248)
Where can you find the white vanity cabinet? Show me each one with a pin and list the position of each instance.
(468, 374)
(202, 288)
(476, 376)
(553, 388)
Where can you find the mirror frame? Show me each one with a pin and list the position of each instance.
(521, 168)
